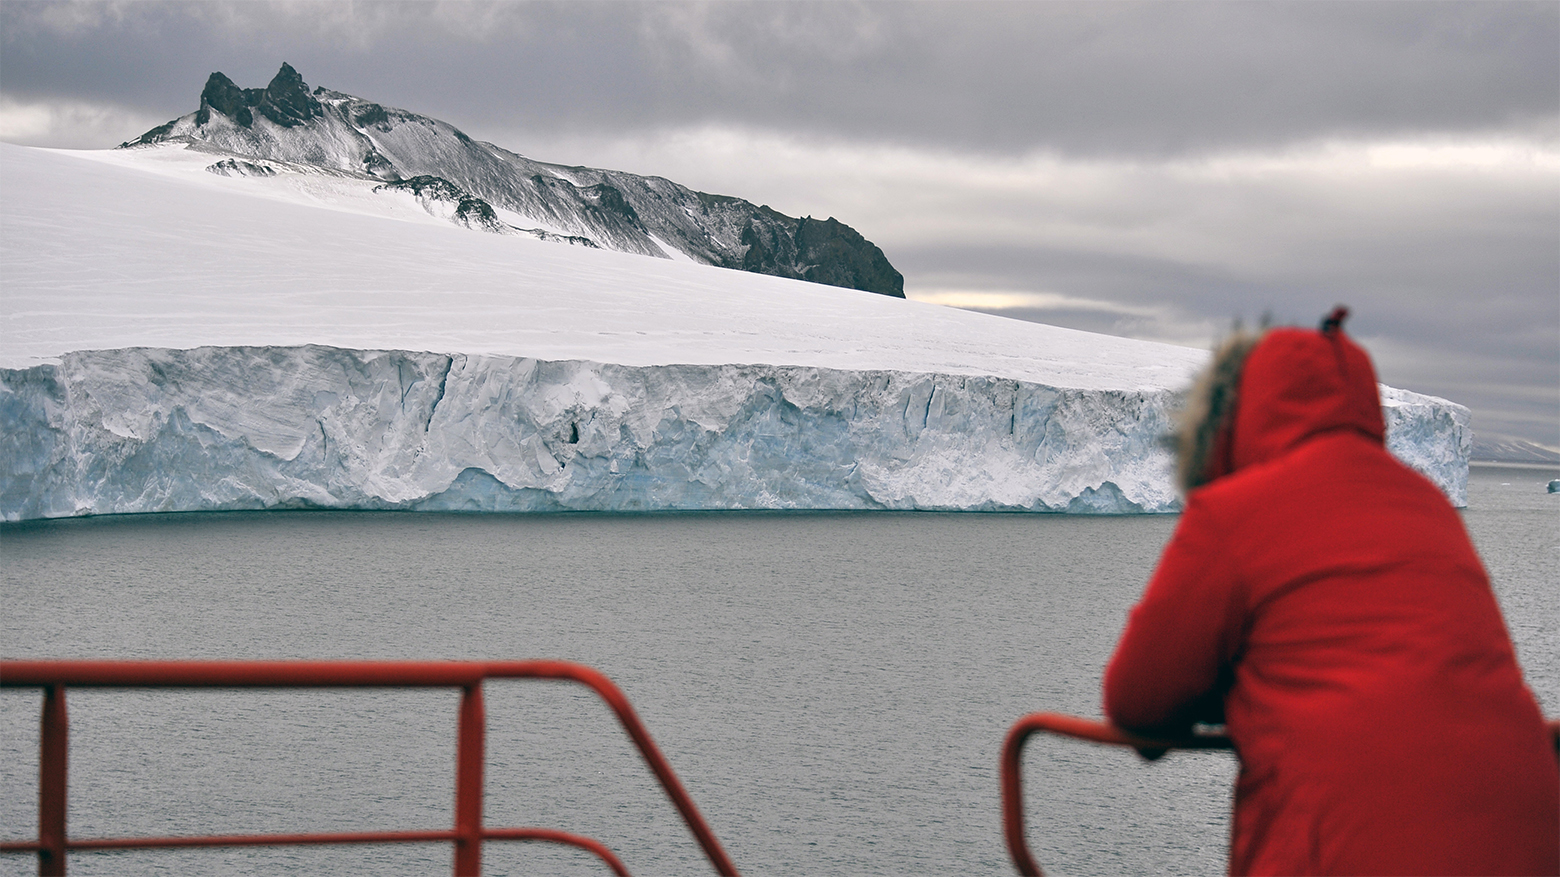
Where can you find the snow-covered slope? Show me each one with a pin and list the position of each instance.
(652, 216)
(176, 339)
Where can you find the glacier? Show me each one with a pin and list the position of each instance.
(173, 339)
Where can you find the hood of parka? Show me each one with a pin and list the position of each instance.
(1262, 395)
(1299, 383)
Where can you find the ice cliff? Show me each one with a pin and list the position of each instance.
(149, 430)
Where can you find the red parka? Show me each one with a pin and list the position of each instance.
(1324, 601)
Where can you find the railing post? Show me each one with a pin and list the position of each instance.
(1012, 782)
(471, 735)
(53, 749)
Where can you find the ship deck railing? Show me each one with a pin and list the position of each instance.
(468, 833)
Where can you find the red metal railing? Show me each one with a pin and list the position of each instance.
(468, 833)
(1098, 732)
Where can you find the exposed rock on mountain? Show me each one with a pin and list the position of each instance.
(232, 167)
(463, 209)
(652, 216)
(222, 95)
(827, 252)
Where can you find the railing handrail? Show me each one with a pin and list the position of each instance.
(1068, 726)
(467, 835)
(1098, 732)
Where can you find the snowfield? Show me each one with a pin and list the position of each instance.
(173, 338)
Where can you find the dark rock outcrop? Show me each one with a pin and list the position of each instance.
(232, 167)
(466, 209)
(222, 95)
(827, 252)
(286, 101)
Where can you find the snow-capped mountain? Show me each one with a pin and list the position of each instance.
(178, 339)
(287, 122)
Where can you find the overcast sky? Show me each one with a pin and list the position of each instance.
(1151, 170)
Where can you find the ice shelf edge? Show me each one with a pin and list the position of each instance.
(224, 428)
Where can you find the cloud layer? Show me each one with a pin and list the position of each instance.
(1134, 79)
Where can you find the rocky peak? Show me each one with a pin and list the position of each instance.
(286, 101)
(222, 95)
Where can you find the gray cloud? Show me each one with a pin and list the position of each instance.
(1144, 169)
(1093, 78)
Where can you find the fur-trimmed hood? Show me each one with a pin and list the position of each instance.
(1266, 392)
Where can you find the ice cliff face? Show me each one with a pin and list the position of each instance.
(286, 122)
(1431, 435)
(147, 430)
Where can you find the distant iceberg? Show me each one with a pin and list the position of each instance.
(215, 428)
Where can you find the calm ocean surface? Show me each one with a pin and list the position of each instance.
(832, 688)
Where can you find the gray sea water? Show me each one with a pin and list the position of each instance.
(832, 688)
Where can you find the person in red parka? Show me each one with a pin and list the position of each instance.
(1323, 602)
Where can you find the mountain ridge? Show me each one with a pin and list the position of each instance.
(1516, 451)
(287, 121)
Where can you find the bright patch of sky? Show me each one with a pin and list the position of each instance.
(69, 124)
